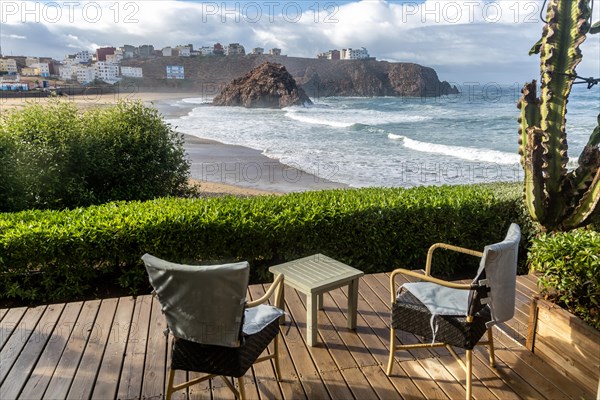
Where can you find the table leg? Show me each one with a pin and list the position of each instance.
(352, 303)
(311, 319)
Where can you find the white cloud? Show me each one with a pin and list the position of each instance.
(461, 39)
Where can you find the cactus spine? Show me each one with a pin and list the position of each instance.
(558, 199)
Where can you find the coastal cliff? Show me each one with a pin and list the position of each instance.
(318, 78)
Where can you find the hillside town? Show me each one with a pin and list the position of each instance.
(22, 73)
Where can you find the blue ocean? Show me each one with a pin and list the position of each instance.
(471, 137)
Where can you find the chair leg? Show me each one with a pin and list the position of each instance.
(276, 359)
(469, 366)
(390, 365)
(241, 390)
(491, 347)
(169, 392)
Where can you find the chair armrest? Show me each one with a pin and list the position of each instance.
(427, 278)
(447, 247)
(276, 285)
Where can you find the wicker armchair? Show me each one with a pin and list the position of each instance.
(449, 314)
(215, 330)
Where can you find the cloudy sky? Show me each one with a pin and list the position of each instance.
(464, 40)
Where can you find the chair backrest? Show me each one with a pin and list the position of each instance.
(203, 304)
(498, 269)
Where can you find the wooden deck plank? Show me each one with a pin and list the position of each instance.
(269, 388)
(72, 359)
(130, 385)
(155, 366)
(44, 369)
(87, 373)
(3, 312)
(375, 336)
(526, 357)
(25, 363)
(9, 323)
(338, 351)
(19, 337)
(69, 361)
(359, 350)
(409, 361)
(298, 364)
(109, 375)
(321, 358)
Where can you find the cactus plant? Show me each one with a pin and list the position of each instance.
(558, 199)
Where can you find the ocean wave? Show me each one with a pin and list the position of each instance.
(340, 118)
(317, 121)
(465, 153)
(196, 100)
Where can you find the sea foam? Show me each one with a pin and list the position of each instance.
(465, 153)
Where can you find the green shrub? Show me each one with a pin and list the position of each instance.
(53, 254)
(54, 156)
(570, 267)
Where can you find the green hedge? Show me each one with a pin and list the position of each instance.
(570, 267)
(56, 254)
(55, 156)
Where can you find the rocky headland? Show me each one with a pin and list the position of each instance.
(269, 85)
(318, 78)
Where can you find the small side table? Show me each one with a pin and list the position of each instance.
(315, 275)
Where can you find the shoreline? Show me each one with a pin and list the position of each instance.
(217, 167)
(234, 169)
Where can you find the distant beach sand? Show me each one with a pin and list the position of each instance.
(218, 168)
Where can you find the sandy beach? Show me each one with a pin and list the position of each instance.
(216, 167)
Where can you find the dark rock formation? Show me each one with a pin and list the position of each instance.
(267, 86)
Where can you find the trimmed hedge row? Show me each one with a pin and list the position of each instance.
(51, 255)
(569, 264)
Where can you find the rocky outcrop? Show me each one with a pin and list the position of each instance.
(373, 78)
(269, 85)
(318, 78)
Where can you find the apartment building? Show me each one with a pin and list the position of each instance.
(354, 54)
(132, 72)
(8, 65)
(106, 72)
(235, 49)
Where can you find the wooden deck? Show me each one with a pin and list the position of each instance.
(115, 348)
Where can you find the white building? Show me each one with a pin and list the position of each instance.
(83, 57)
(354, 54)
(184, 51)
(114, 58)
(167, 51)
(275, 51)
(258, 50)
(67, 71)
(132, 72)
(106, 72)
(44, 69)
(207, 50)
(85, 74)
(8, 65)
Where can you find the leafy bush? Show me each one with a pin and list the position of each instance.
(570, 267)
(54, 254)
(54, 156)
